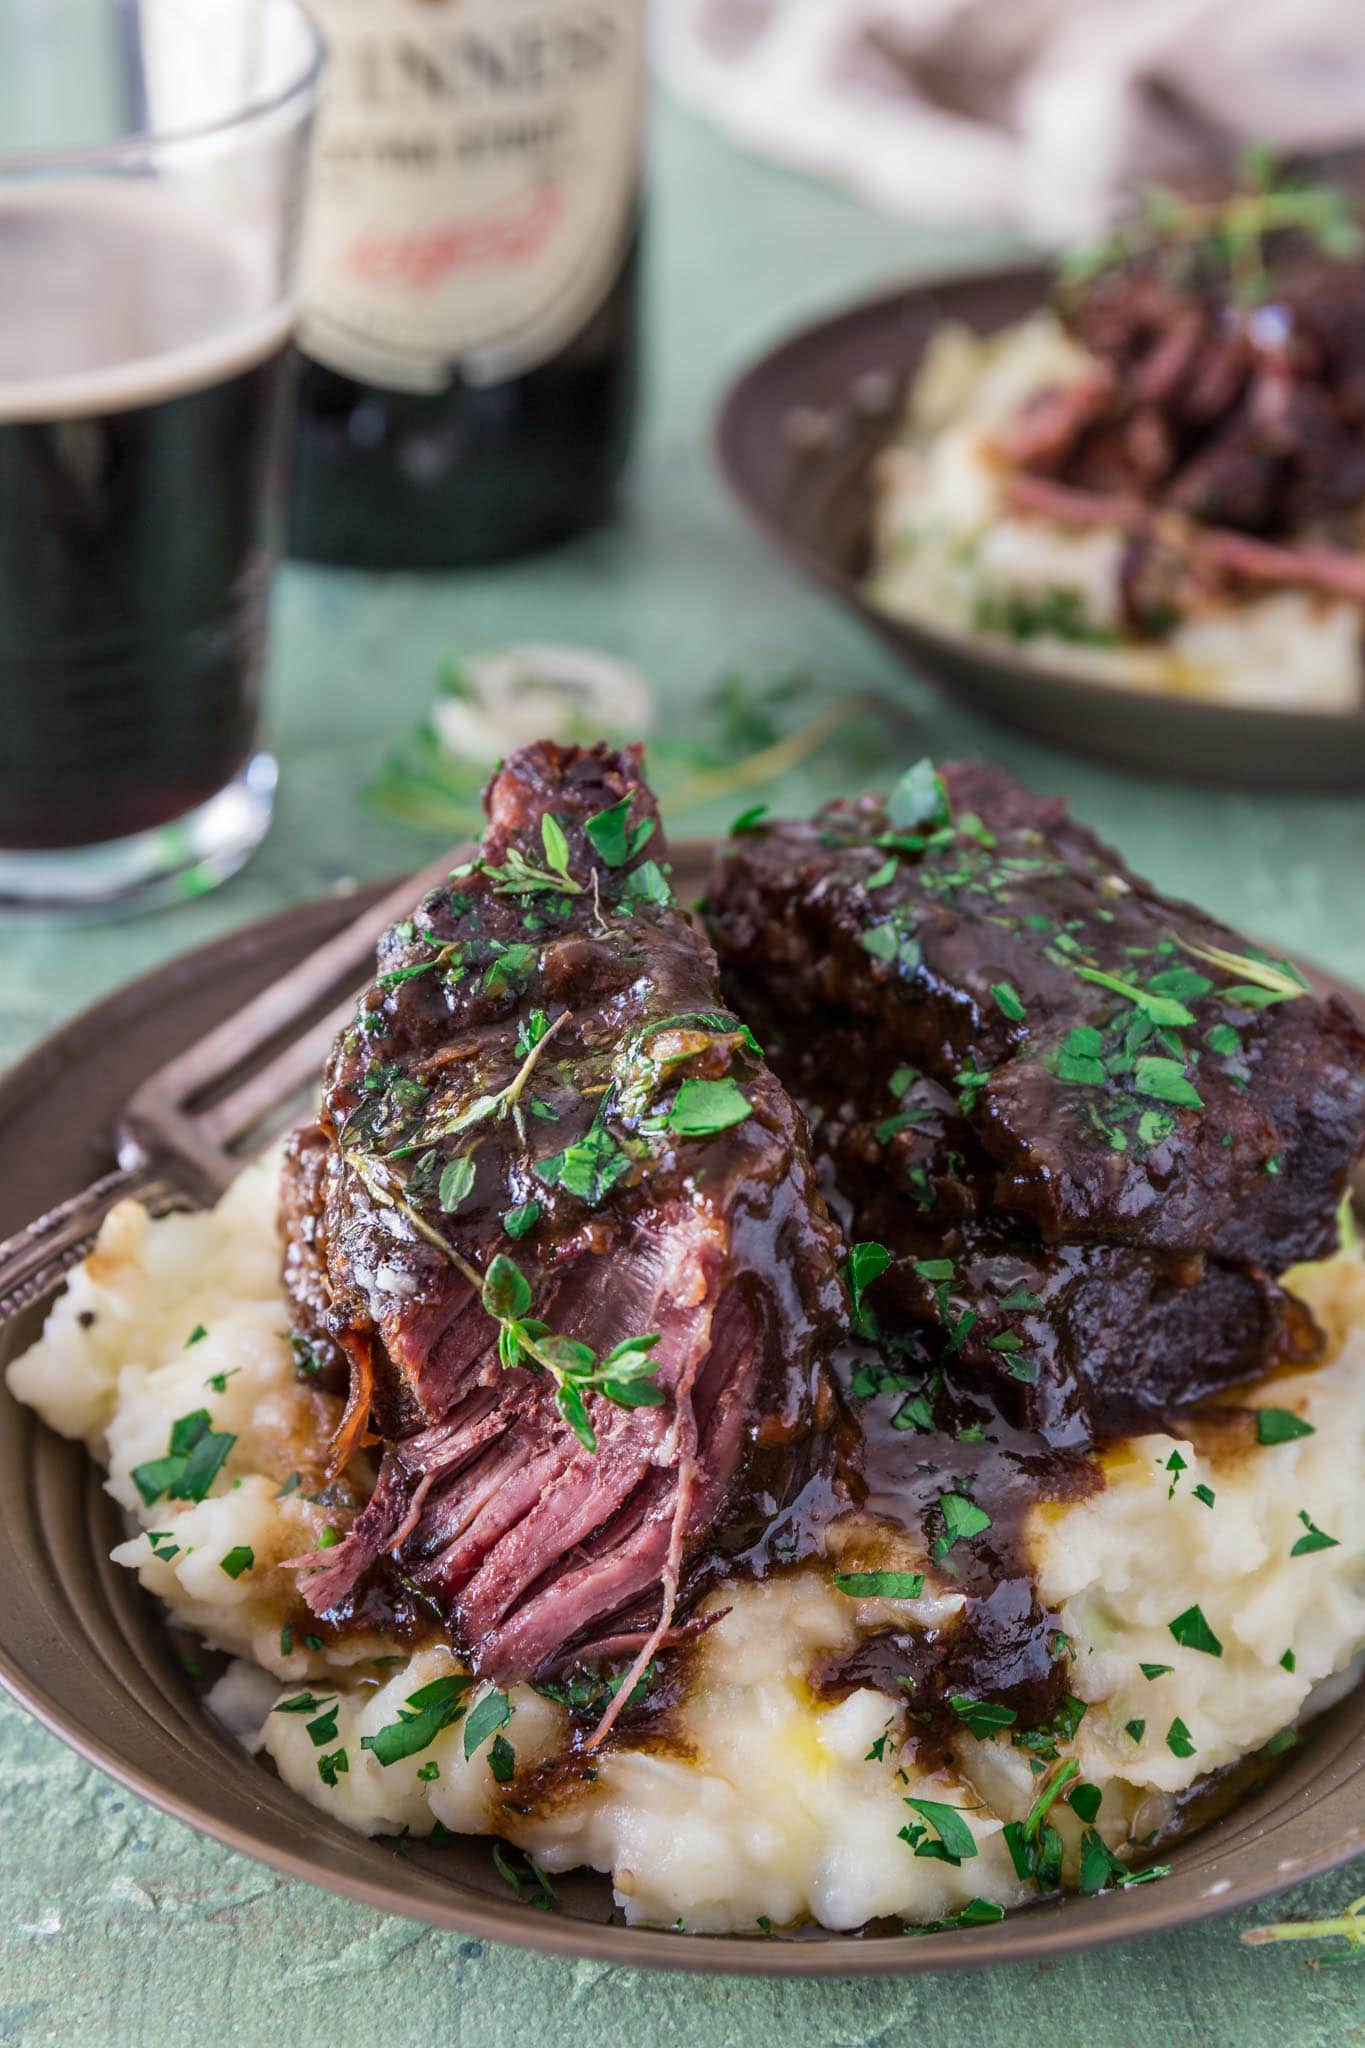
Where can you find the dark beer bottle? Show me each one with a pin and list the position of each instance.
(468, 329)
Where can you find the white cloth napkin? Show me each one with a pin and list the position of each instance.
(1041, 113)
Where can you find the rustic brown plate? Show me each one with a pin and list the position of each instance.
(86, 1651)
(796, 437)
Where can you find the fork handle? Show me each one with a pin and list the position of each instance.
(36, 1257)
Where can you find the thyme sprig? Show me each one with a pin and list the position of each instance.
(1350, 1926)
(520, 876)
(1231, 231)
(1258, 979)
(622, 1376)
(504, 1102)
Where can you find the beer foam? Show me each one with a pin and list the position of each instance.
(124, 297)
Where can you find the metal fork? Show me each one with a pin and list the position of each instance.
(187, 1130)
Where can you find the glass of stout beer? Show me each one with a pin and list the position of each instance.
(152, 157)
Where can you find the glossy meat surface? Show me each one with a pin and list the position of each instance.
(1032, 1084)
(545, 1138)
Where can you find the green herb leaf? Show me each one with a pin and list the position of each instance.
(334, 1766)
(238, 1560)
(866, 1263)
(1007, 1001)
(428, 1712)
(1277, 1426)
(962, 1519)
(956, 1843)
(747, 820)
(1150, 1671)
(1166, 1080)
(555, 844)
(457, 1182)
(647, 884)
(1178, 1739)
(192, 1463)
(920, 799)
(589, 1168)
(1085, 1801)
(492, 1712)
(702, 1108)
(983, 1718)
(1192, 1632)
(880, 1585)
(517, 1222)
(609, 833)
(506, 1294)
(1314, 1539)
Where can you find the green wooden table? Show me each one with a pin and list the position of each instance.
(119, 1927)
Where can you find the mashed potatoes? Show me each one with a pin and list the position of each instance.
(948, 551)
(1207, 1590)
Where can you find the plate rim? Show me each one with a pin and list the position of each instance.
(1037, 1932)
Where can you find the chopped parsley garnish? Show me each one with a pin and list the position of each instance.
(238, 1560)
(610, 835)
(866, 1263)
(702, 1108)
(589, 1168)
(976, 1913)
(882, 875)
(196, 1336)
(647, 884)
(217, 1381)
(1020, 1298)
(334, 1766)
(1099, 1865)
(1150, 1671)
(1137, 1729)
(1178, 1739)
(1287, 1661)
(1205, 1495)
(1085, 1801)
(492, 1712)
(1007, 1001)
(952, 1840)
(1314, 1537)
(983, 1718)
(747, 820)
(920, 799)
(1167, 1080)
(517, 1222)
(530, 1883)
(889, 943)
(193, 1460)
(1192, 1632)
(880, 1585)
(426, 1714)
(1280, 1426)
(962, 1519)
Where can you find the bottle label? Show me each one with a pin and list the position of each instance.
(474, 179)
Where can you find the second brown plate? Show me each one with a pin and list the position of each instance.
(796, 437)
(86, 1650)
